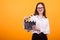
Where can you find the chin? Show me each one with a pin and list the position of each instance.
(40, 12)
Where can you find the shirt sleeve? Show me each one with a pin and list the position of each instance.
(47, 28)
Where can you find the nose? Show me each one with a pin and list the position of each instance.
(40, 9)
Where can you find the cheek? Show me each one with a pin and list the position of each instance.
(42, 9)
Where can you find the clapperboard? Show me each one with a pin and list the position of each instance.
(28, 24)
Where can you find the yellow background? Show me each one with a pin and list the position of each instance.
(12, 13)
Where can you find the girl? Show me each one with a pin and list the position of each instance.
(41, 29)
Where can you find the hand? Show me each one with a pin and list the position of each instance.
(35, 28)
(26, 18)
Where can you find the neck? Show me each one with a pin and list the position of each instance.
(41, 15)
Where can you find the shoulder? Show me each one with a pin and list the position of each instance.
(46, 19)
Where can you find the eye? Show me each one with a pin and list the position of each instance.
(39, 7)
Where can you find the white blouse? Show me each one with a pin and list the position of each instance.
(42, 23)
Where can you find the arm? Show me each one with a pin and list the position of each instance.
(34, 27)
(47, 28)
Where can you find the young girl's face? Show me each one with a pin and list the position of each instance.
(40, 9)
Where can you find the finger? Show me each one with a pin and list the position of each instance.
(25, 18)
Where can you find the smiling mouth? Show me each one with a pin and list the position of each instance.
(40, 10)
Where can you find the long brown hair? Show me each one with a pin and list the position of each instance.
(36, 12)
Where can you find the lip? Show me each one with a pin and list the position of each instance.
(40, 10)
